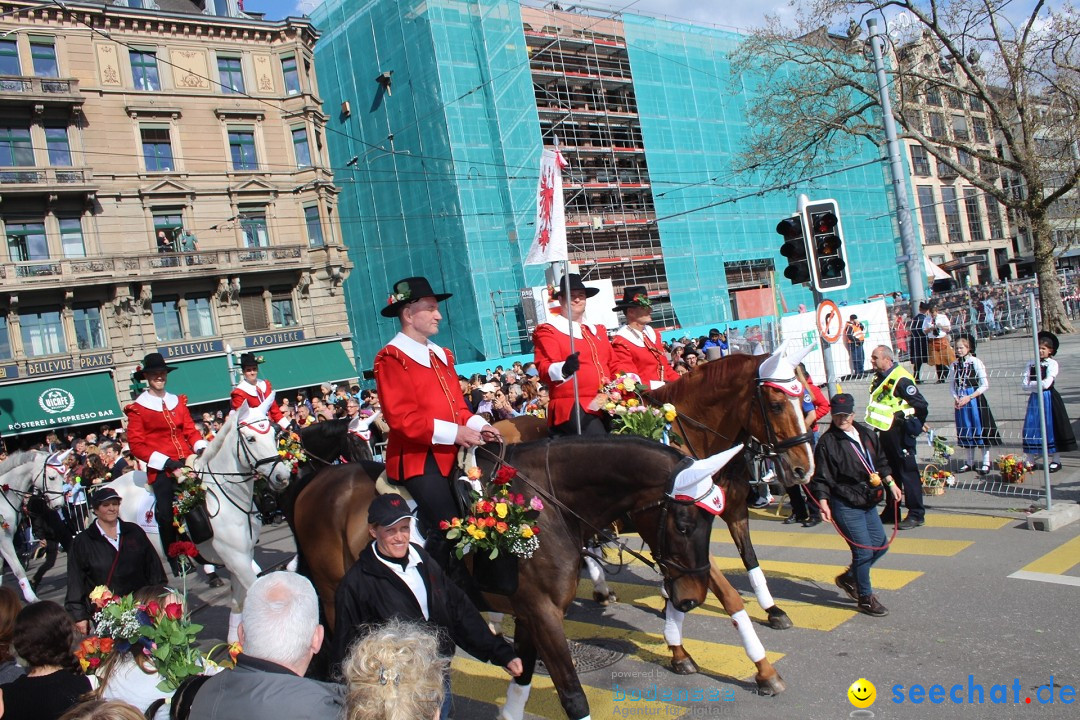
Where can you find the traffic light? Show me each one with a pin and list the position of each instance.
(828, 262)
(794, 249)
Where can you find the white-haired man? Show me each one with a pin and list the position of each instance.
(280, 633)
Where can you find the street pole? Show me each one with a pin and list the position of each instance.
(830, 369)
(912, 257)
(1043, 420)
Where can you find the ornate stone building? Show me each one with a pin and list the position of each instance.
(164, 185)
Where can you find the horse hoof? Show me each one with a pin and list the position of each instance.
(604, 600)
(778, 619)
(686, 666)
(214, 581)
(771, 686)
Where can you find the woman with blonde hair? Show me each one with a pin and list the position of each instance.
(103, 710)
(395, 673)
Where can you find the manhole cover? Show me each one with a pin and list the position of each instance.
(592, 654)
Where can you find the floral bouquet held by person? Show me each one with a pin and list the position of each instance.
(190, 493)
(499, 520)
(291, 451)
(631, 416)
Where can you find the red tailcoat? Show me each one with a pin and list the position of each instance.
(551, 342)
(423, 405)
(642, 354)
(160, 430)
(254, 395)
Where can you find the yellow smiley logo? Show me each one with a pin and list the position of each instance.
(862, 693)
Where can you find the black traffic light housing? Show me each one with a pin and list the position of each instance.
(828, 255)
(794, 249)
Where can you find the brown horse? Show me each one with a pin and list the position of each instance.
(740, 399)
(633, 477)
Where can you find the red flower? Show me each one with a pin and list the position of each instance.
(94, 661)
(505, 474)
(174, 611)
(444, 525)
(183, 547)
(153, 608)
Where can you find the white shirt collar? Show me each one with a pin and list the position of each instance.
(420, 352)
(626, 333)
(153, 402)
(256, 389)
(562, 324)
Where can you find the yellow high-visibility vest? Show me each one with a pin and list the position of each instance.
(884, 405)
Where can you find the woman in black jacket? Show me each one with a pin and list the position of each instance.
(851, 476)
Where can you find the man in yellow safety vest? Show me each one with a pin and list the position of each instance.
(897, 410)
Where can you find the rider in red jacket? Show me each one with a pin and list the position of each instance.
(637, 347)
(254, 391)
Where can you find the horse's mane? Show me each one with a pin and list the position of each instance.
(17, 458)
(716, 373)
(591, 440)
(327, 430)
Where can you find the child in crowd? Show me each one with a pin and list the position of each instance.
(975, 426)
(1059, 434)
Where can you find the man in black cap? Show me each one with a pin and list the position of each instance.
(394, 578)
(109, 552)
(851, 473)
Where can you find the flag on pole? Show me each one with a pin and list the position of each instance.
(549, 242)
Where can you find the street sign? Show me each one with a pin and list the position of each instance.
(829, 321)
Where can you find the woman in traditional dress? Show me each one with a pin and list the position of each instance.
(1059, 434)
(975, 426)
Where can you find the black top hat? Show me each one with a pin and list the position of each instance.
(1050, 339)
(407, 291)
(633, 296)
(842, 404)
(249, 359)
(387, 510)
(105, 493)
(153, 361)
(575, 284)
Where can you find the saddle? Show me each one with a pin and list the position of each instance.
(461, 486)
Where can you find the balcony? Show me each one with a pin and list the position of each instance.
(107, 270)
(39, 92)
(52, 180)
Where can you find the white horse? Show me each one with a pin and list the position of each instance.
(17, 475)
(245, 446)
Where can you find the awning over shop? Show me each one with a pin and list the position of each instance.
(57, 402)
(933, 271)
(203, 380)
(306, 365)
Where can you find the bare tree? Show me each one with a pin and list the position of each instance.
(1022, 70)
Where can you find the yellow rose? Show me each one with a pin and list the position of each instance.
(670, 416)
(84, 664)
(480, 534)
(500, 509)
(632, 402)
(526, 532)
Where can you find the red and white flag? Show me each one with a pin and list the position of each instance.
(549, 242)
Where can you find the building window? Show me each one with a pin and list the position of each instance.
(167, 320)
(933, 96)
(5, 337)
(931, 233)
(242, 148)
(168, 222)
(56, 141)
(71, 237)
(313, 223)
(975, 103)
(971, 204)
(963, 157)
(993, 216)
(144, 70)
(16, 150)
(253, 312)
(200, 317)
(978, 125)
(253, 224)
(281, 307)
(42, 333)
(952, 214)
(956, 100)
(920, 162)
(959, 127)
(89, 330)
(937, 125)
(43, 55)
(157, 149)
(27, 241)
(9, 58)
(220, 7)
(291, 74)
(231, 75)
(301, 147)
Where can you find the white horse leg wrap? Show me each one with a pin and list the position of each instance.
(293, 564)
(208, 568)
(234, 624)
(516, 697)
(761, 588)
(596, 574)
(673, 620)
(28, 592)
(754, 649)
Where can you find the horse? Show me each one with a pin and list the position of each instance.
(740, 398)
(633, 476)
(18, 474)
(245, 446)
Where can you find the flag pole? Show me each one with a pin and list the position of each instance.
(574, 377)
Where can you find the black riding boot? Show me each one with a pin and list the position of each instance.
(164, 494)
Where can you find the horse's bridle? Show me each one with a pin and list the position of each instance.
(660, 555)
(254, 462)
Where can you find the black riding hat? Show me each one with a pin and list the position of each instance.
(249, 359)
(153, 361)
(633, 296)
(407, 291)
(575, 284)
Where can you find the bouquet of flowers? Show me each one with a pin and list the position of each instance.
(631, 416)
(160, 628)
(1013, 469)
(499, 520)
(291, 451)
(942, 450)
(190, 493)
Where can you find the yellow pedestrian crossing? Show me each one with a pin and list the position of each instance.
(832, 541)
(1059, 560)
